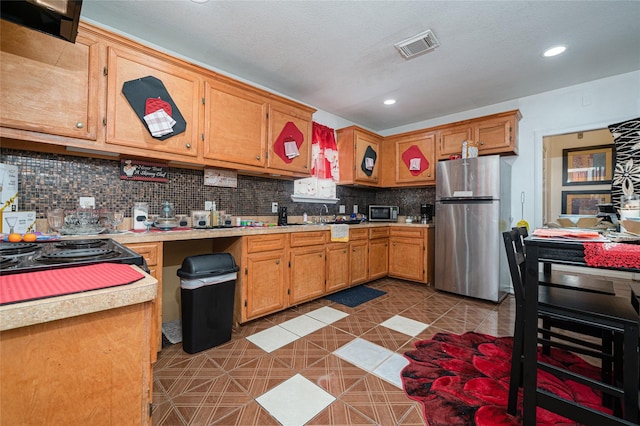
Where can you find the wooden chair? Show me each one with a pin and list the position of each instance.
(593, 314)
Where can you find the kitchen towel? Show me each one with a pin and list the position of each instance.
(340, 233)
(57, 282)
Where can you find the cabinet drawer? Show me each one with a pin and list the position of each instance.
(148, 251)
(378, 233)
(406, 232)
(299, 239)
(358, 234)
(259, 243)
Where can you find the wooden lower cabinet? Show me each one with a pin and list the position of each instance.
(152, 253)
(411, 254)
(359, 262)
(307, 274)
(83, 370)
(378, 253)
(337, 267)
(265, 283)
(306, 266)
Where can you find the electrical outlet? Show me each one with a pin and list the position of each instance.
(208, 205)
(355, 208)
(88, 202)
(274, 207)
(342, 209)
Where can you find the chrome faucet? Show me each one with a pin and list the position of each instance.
(326, 209)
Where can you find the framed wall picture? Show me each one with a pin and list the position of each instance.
(584, 202)
(591, 165)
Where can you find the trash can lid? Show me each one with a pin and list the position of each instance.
(206, 265)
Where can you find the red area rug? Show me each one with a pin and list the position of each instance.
(464, 380)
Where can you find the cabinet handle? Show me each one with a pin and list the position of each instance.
(257, 157)
(277, 261)
(481, 143)
(79, 125)
(428, 174)
(320, 255)
(188, 146)
(345, 250)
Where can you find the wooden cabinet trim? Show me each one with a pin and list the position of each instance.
(299, 239)
(267, 242)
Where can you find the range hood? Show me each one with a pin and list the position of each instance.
(58, 18)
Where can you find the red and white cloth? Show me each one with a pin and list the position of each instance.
(324, 153)
(158, 117)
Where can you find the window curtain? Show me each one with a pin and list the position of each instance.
(324, 153)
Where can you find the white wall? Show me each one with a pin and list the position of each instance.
(582, 107)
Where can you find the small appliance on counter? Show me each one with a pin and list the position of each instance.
(426, 213)
(282, 216)
(383, 213)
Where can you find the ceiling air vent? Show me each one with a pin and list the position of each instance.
(418, 44)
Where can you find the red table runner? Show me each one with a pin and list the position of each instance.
(57, 282)
(612, 255)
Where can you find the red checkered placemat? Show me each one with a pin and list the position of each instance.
(57, 282)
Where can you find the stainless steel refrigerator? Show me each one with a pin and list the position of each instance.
(473, 208)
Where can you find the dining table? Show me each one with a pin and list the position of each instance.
(599, 254)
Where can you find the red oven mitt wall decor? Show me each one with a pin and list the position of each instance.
(415, 160)
(138, 91)
(288, 143)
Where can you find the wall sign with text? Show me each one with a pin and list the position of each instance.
(143, 170)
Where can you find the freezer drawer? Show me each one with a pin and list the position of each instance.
(468, 251)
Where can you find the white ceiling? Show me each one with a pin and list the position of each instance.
(338, 56)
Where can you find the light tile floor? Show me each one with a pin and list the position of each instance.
(319, 363)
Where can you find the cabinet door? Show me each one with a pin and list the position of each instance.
(378, 258)
(363, 144)
(406, 258)
(337, 267)
(236, 125)
(420, 146)
(49, 85)
(265, 282)
(152, 253)
(359, 262)
(451, 138)
(307, 274)
(123, 125)
(279, 117)
(496, 136)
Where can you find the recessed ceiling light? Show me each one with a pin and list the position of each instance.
(199, 1)
(554, 51)
(390, 102)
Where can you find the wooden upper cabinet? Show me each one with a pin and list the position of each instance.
(417, 146)
(450, 140)
(281, 121)
(495, 134)
(354, 144)
(48, 85)
(236, 125)
(124, 128)
(498, 135)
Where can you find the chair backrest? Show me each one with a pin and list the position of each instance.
(516, 259)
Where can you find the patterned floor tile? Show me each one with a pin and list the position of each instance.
(249, 414)
(340, 413)
(378, 400)
(211, 400)
(333, 374)
(300, 354)
(261, 374)
(330, 338)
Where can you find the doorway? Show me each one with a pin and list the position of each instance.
(576, 190)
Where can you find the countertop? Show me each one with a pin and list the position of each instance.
(194, 234)
(39, 311)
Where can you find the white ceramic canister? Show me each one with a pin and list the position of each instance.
(139, 213)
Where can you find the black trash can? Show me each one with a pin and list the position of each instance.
(207, 287)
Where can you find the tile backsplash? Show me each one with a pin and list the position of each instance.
(51, 180)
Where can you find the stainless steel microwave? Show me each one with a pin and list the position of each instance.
(383, 213)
